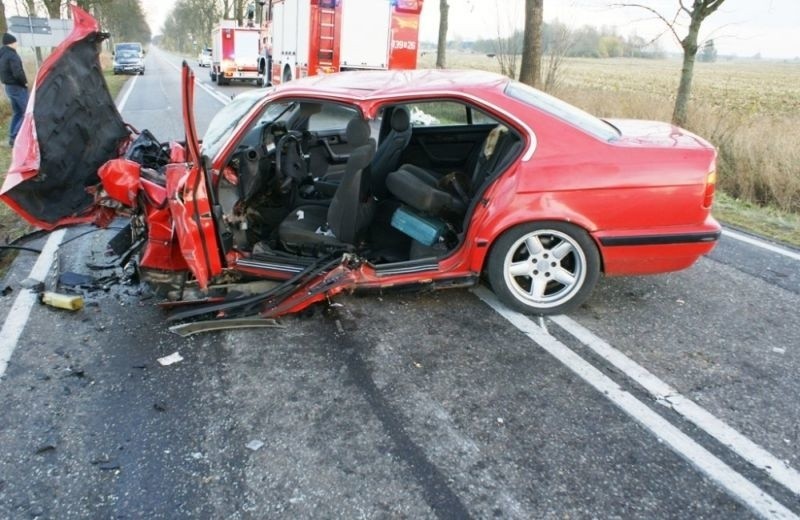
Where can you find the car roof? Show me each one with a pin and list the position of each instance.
(390, 83)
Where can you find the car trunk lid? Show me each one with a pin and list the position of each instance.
(639, 133)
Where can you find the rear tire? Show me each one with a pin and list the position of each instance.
(287, 74)
(544, 267)
(213, 75)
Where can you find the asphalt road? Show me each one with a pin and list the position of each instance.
(671, 396)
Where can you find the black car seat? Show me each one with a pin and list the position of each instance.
(387, 158)
(315, 228)
(450, 195)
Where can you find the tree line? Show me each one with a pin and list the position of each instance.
(124, 19)
(584, 42)
(188, 26)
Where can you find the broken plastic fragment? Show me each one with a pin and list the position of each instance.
(169, 360)
(69, 302)
(71, 279)
(254, 445)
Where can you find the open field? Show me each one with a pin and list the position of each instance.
(750, 110)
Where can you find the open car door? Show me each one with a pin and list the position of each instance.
(190, 195)
(71, 127)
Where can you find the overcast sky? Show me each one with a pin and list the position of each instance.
(743, 27)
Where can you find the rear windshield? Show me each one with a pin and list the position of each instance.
(562, 110)
(135, 47)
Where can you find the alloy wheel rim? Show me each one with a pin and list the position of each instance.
(544, 268)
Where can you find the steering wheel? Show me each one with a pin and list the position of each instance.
(290, 160)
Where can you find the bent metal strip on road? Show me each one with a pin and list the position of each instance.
(747, 493)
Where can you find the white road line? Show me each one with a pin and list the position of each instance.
(222, 98)
(664, 394)
(21, 309)
(760, 243)
(124, 100)
(726, 477)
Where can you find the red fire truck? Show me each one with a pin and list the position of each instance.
(235, 54)
(310, 37)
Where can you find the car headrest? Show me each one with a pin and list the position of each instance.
(494, 136)
(358, 132)
(401, 119)
(309, 109)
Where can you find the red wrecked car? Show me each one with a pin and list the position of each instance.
(366, 180)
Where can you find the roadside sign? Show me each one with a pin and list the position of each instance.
(32, 31)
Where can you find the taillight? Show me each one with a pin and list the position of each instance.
(711, 186)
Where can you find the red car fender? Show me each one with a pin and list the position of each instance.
(161, 250)
(121, 179)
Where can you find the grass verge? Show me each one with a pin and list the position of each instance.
(769, 222)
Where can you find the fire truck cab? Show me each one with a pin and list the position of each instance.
(310, 37)
(235, 54)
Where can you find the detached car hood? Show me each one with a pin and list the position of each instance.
(71, 128)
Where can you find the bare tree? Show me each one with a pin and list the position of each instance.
(238, 11)
(226, 8)
(30, 7)
(697, 13)
(506, 47)
(441, 47)
(561, 40)
(530, 71)
(53, 8)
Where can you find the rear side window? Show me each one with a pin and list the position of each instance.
(562, 110)
(447, 113)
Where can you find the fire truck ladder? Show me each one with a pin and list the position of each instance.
(327, 34)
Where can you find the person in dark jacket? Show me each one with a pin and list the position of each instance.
(12, 75)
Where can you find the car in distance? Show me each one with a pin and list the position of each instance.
(324, 185)
(128, 58)
(204, 58)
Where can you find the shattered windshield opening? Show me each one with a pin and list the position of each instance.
(225, 122)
